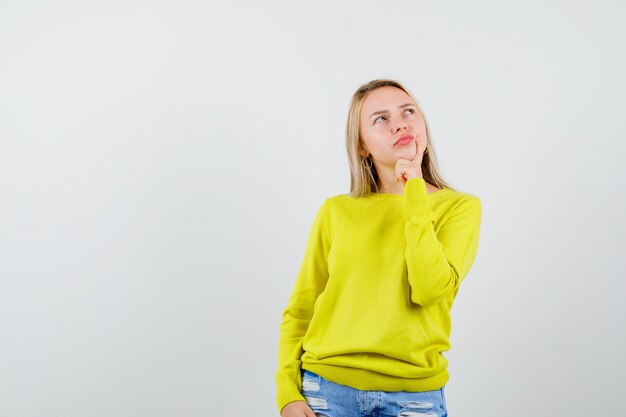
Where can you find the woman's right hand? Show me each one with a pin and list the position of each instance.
(297, 409)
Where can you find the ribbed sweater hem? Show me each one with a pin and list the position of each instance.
(362, 379)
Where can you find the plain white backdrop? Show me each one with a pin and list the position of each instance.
(161, 163)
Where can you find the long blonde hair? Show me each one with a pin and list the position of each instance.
(363, 180)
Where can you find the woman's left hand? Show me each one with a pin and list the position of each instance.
(411, 168)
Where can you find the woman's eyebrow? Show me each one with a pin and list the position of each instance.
(385, 111)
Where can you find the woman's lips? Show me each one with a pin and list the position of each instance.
(404, 141)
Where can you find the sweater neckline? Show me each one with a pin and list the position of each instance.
(393, 195)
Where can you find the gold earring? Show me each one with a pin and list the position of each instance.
(365, 164)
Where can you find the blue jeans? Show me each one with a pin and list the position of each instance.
(330, 399)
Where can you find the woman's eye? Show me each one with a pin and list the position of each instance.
(411, 110)
(379, 117)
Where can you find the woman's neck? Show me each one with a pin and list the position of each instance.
(387, 184)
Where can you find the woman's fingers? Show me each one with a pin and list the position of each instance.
(297, 409)
(406, 169)
(308, 412)
(419, 151)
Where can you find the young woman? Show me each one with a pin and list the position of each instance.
(366, 325)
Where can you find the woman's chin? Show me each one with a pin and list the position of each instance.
(408, 153)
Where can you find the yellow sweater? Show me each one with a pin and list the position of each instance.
(370, 306)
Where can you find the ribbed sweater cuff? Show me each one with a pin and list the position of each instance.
(417, 204)
(287, 390)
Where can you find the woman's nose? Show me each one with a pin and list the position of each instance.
(400, 125)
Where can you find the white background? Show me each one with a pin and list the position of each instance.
(161, 164)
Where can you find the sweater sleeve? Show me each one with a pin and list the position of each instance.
(438, 262)
(310, 282)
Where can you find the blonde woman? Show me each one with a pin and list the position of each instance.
(365, 328)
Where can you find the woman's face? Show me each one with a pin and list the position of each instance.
(388, 114)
